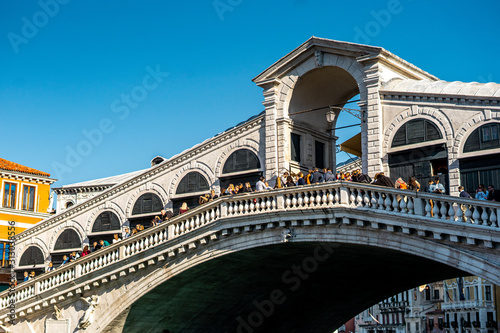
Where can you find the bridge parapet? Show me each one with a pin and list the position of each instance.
(72, 278)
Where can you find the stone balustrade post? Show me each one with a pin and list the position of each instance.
(223, 209)
(37, 288)
(419, 206)
(170, 231)
(344, 196)
(78, 271)
(121, 252)
(280, 201)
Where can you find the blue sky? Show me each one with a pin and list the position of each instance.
(67, 67)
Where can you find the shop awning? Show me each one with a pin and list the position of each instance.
(352, 145)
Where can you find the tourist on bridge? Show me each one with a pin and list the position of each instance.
(481, 193)
(437, 187)
(261, 185)
(116, 238)
(492, 194)
(65, 260)
(463, 193)
(316, 176)
(212, 197)
(413, 184)
(127, 231)
(327, 175)
(301, 180)
(103, 243)
(50, 267)
(85, 251)
(184, 208)
(247, 188)
(289, 182)
(383, 180)
(165, 215)
(26, 276)
(309, 176)
(96, 246)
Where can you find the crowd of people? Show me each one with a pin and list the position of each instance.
(314, 176)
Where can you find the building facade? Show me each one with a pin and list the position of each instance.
(25, 200)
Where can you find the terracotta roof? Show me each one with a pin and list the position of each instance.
(11, 166)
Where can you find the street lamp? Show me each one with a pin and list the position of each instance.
(330, 118)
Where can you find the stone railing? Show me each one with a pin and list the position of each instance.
(352, 195)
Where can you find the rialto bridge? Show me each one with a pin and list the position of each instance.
(293, 260)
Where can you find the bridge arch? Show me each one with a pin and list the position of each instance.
(451, 262)
(335, 63)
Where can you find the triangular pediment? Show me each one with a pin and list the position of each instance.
(360, 52)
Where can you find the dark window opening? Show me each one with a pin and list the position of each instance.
(241, 160)
(147, 203)
(416, 131)
(106, 221)
(69, 239)
(319, 151)
(484, 137)
(192, 182)
(295, 145)
(31, 257)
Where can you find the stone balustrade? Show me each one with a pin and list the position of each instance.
(442, 208)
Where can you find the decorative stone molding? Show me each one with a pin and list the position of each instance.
(146, 188)
(59, 229)
(246, 143)
(470, 126)
(435, 115)
(192, 167)
(37, 242)
(288, 82)
(107, 206)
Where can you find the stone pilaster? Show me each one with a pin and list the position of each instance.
(271, 131)
(371, 141)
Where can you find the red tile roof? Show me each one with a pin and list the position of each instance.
(11, 166)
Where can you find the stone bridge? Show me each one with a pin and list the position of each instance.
(303, 259)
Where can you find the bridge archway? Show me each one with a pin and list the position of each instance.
(242, 166)
(32, 259)
(395, 263)
(145, 208)
(310, 135)
(68, 241)
(104, 227)
(189, 189)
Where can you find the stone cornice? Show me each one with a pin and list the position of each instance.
(399, 65)
(26, 177)
(150, 173)
(71, 190)
(304, 51)
(445, 99)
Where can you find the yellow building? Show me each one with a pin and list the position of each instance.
(24, 201)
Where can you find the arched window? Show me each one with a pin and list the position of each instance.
(241, 160)
(69, 204)
(31, 257)
(69, 239)
(192, 182)
(484, 137)
(106, 221)
(147, 203)
(416, 131)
